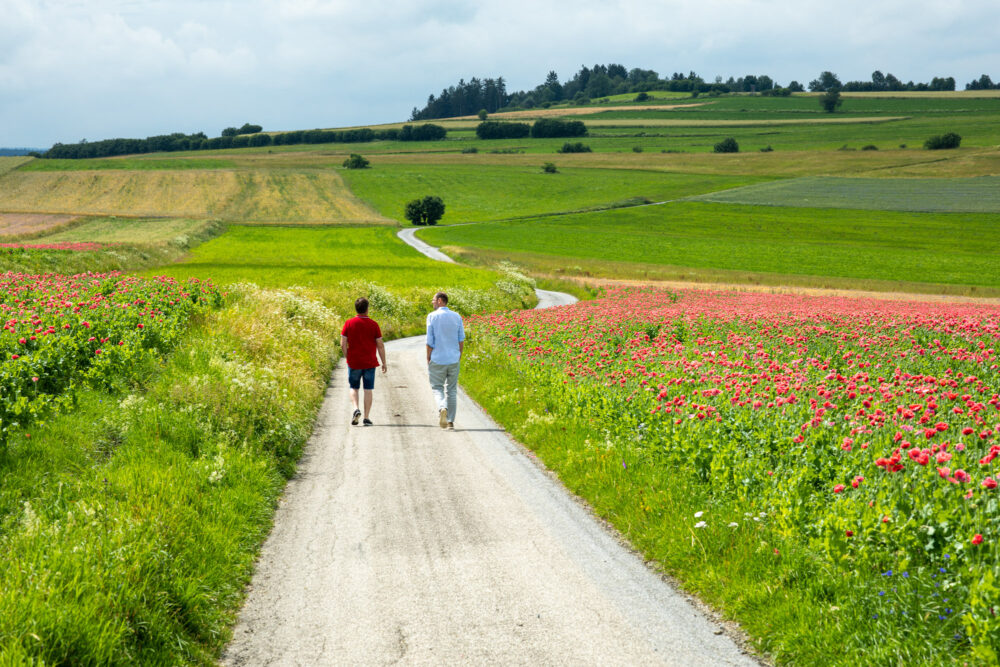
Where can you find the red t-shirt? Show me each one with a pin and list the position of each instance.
(361, 332)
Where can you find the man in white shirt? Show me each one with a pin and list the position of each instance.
(445, 341)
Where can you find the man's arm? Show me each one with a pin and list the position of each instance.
(380, 346)
(343, 344)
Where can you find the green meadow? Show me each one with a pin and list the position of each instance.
(774, 244)
(473, 192)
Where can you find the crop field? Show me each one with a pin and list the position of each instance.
(964, 195)
(246, 196)
(7, 163)
(59, 331)
(129, 230)
(742, 438)
(128, 164)
(470, 191)
(946, 249)
(18, 224)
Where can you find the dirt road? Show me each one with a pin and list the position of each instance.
(401, 543)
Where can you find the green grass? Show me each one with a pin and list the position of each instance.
(488, 192)
(952, 195)
(343, 263)
(944, 249)
(129, 527)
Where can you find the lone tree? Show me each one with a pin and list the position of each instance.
(426, 211)
(830, 100)
(356, 162)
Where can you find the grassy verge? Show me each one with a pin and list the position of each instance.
(129, 526)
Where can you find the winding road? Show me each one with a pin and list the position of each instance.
(402, 543)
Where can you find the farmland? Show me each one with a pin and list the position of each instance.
(953, 195)
(839, 448)
(771, 245)
(165, 475)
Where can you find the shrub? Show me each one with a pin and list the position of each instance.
(578, 147)
(427, 132)
(938, 142)
(766, 149)
(869, 147)
(482, 114)
(260, 140)
(637, 149)
(492, 129)
(470, 149)
(356, 162)
(426, 211)
(727, 145)
(550, 127)
(831, 100)
(642, 97)
(549, 168)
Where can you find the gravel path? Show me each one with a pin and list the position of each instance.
(402, 543)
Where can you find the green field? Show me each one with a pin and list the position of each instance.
(945, 249)
(490, 192)
(944, 195)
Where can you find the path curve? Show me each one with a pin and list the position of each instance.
(402, 543)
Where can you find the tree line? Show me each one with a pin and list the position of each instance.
(469, 98)
(179, 141)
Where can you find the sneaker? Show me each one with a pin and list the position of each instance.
(367, 422)
(356, 417)
(451, 426)
(443, 418)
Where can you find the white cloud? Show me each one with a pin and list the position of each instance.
(150, 66)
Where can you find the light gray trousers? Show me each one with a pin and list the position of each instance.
(444, 384)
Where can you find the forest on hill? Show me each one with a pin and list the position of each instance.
(467, 98)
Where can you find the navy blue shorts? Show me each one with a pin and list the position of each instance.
(356, 375)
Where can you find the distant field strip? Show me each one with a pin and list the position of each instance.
(311, 197)
(938, 195)
(12, 224)
(128, 230)
(10, 162)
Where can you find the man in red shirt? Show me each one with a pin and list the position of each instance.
(359, 339)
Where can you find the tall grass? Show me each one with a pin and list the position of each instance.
(130, 526)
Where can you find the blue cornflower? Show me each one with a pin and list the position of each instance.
(881, 593)
(946, 556)
(940, 618)
(887, 573)
(947, 611)
(906, 575)
(942, 570)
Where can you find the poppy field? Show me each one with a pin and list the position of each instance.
(60, 331)
(859, 433)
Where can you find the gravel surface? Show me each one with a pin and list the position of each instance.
(403, 543)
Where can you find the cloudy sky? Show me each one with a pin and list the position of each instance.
(96, 69)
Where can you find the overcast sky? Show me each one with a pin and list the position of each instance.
(97, 69)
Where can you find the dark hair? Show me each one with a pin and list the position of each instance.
(442, 296)
(361, 305)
